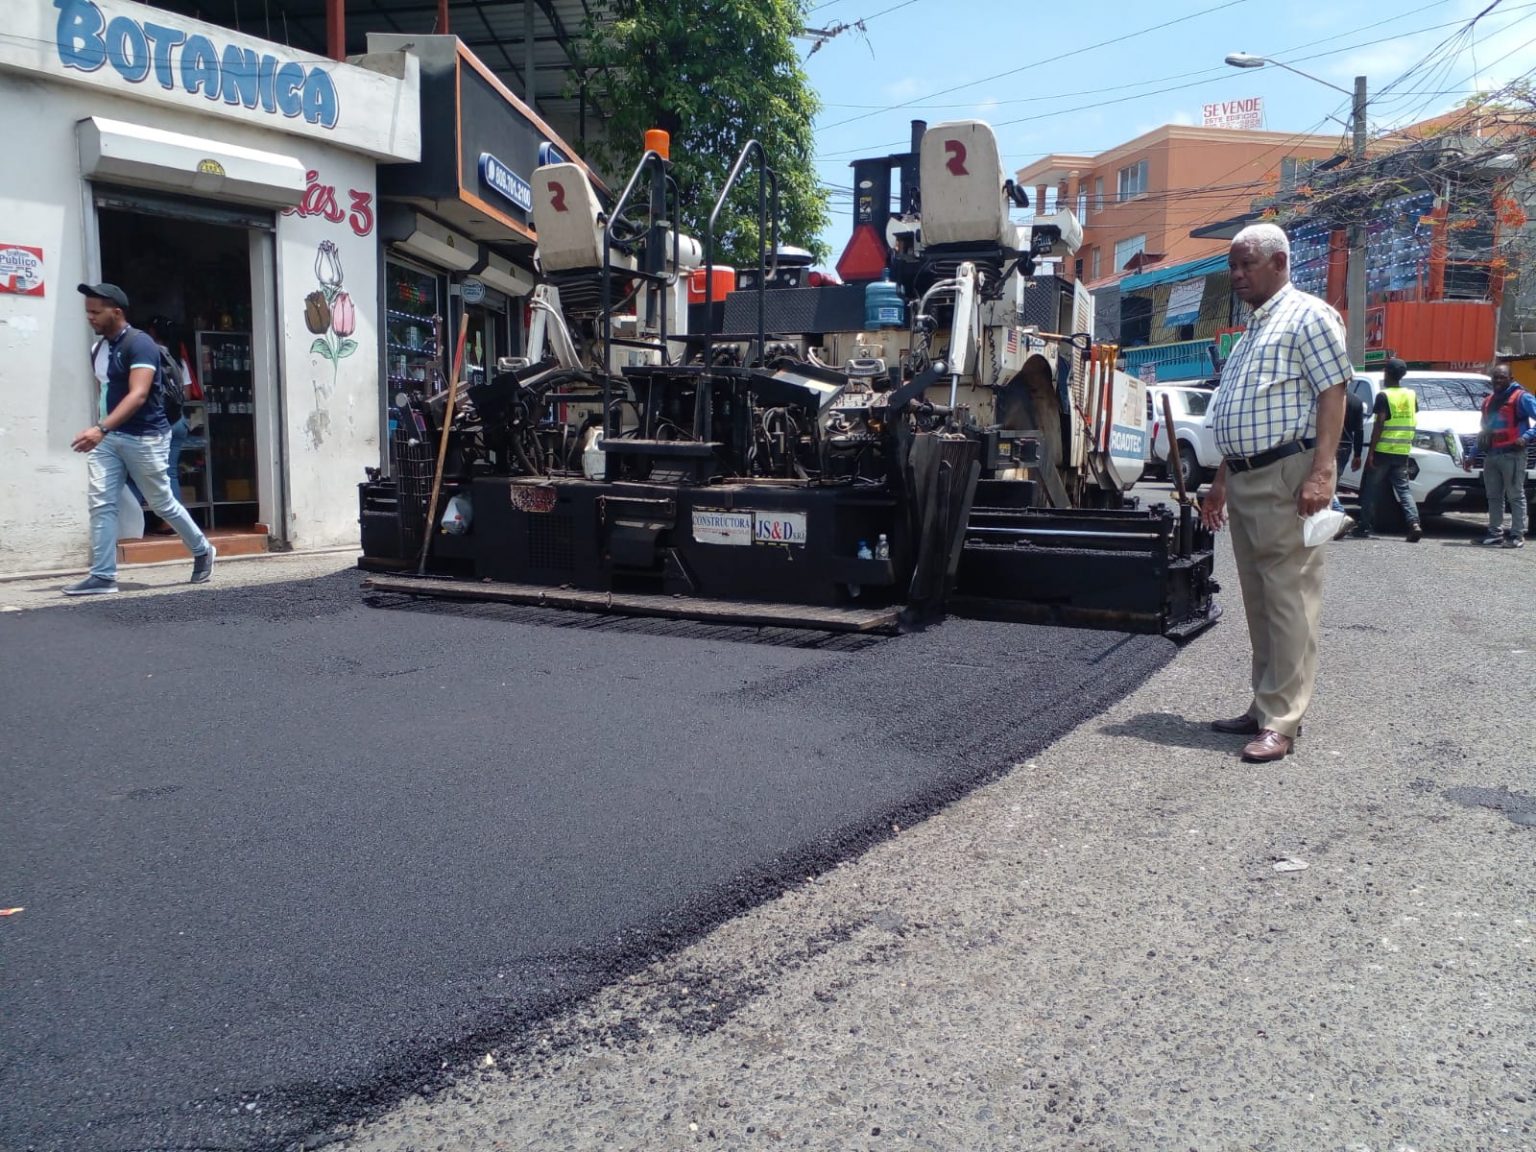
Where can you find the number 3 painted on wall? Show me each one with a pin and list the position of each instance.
(557, 196)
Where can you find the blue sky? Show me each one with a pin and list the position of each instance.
(1048, 81)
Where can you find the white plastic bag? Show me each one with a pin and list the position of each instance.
(457, 516)
(130, 515)
(1322, 526)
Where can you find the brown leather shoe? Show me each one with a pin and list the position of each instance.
(1268, 747)
(1237, 726)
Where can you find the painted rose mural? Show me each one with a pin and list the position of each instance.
(330, 313)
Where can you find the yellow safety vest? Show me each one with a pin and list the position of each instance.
(1397, 429)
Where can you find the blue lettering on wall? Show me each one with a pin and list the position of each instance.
(79, 35)
(200, 67)
(128, 49)
(163, 40)
(237, 75)
(320, 100)
(506, 182)
(286, 86)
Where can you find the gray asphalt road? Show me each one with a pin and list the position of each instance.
(285, 858)
(1098, 952)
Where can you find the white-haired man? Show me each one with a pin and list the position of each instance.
(1277, 416)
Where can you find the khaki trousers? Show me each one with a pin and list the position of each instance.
(1282, 581)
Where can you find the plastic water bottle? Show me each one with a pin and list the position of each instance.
(883, 548)
(864, 552)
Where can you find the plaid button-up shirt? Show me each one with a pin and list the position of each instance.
(1292, 351)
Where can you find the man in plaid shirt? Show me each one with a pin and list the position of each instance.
(1277, 416)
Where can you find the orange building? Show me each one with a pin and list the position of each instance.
(1139, 201)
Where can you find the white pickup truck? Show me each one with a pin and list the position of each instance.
(1197, 446)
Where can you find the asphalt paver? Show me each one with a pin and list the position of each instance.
(287, 857)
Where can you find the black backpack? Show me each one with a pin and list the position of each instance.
(173, 386)
(171, 382)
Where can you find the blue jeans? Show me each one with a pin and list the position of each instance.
(179, 433)
(1392, 470)
(118, 458)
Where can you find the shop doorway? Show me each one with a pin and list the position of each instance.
(188, 271)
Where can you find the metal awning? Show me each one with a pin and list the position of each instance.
(497, 31)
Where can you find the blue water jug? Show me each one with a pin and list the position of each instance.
(884, 305)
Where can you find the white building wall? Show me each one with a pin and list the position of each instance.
(330, 406)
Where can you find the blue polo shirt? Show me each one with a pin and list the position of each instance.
(134, 349)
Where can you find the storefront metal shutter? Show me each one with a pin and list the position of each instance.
(179, 208)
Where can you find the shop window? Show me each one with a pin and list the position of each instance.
(1294, 172)
(1132, 181)
(1127, 249)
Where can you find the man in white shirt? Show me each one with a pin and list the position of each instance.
(1277, 416)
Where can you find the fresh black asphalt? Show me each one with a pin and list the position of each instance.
(285, 857)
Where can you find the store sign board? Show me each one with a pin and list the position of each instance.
(151, 54)
(21, 270)
(473, 292)
(505, 182)
(722, 526)
(1246, 114)
(1184, 301)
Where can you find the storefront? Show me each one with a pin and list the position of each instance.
(457, 228)
(229, 186)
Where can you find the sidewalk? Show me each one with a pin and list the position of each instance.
(147, 580)
(1099, 951)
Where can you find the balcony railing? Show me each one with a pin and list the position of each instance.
(1182, 360)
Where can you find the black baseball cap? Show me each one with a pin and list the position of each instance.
(106, 292)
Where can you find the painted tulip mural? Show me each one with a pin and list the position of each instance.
(330, 313)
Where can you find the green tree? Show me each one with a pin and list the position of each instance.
(714, 74)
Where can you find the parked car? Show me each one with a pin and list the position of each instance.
(1197, 447)
(1450, 413)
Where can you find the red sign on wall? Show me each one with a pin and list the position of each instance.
(21, 269)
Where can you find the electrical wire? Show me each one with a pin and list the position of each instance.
(1059, 56)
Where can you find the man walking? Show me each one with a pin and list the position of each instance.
(1396, 418)
(1277, 416)
(132, 439)
(1507, 435)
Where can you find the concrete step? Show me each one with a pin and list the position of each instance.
(157, 549)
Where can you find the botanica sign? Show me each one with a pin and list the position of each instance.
(87, 41)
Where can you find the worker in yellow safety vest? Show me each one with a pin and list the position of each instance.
(1396, 416)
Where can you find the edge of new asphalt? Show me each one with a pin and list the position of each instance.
(972, 749)
(1097, 949)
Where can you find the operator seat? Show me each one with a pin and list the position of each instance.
(966, 198)
(569, 220)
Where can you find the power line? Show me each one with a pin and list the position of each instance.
(1213, 71)
(877, 148)
(1033, 64)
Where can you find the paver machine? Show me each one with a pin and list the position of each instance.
(940, 434)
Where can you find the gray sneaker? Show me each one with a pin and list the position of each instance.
(92, 586)
(202, 566)
(1514, 542)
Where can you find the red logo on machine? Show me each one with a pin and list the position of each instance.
(956, 161)
(557, 196)
(320, 200)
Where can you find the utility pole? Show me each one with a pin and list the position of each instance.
(1355, 282)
